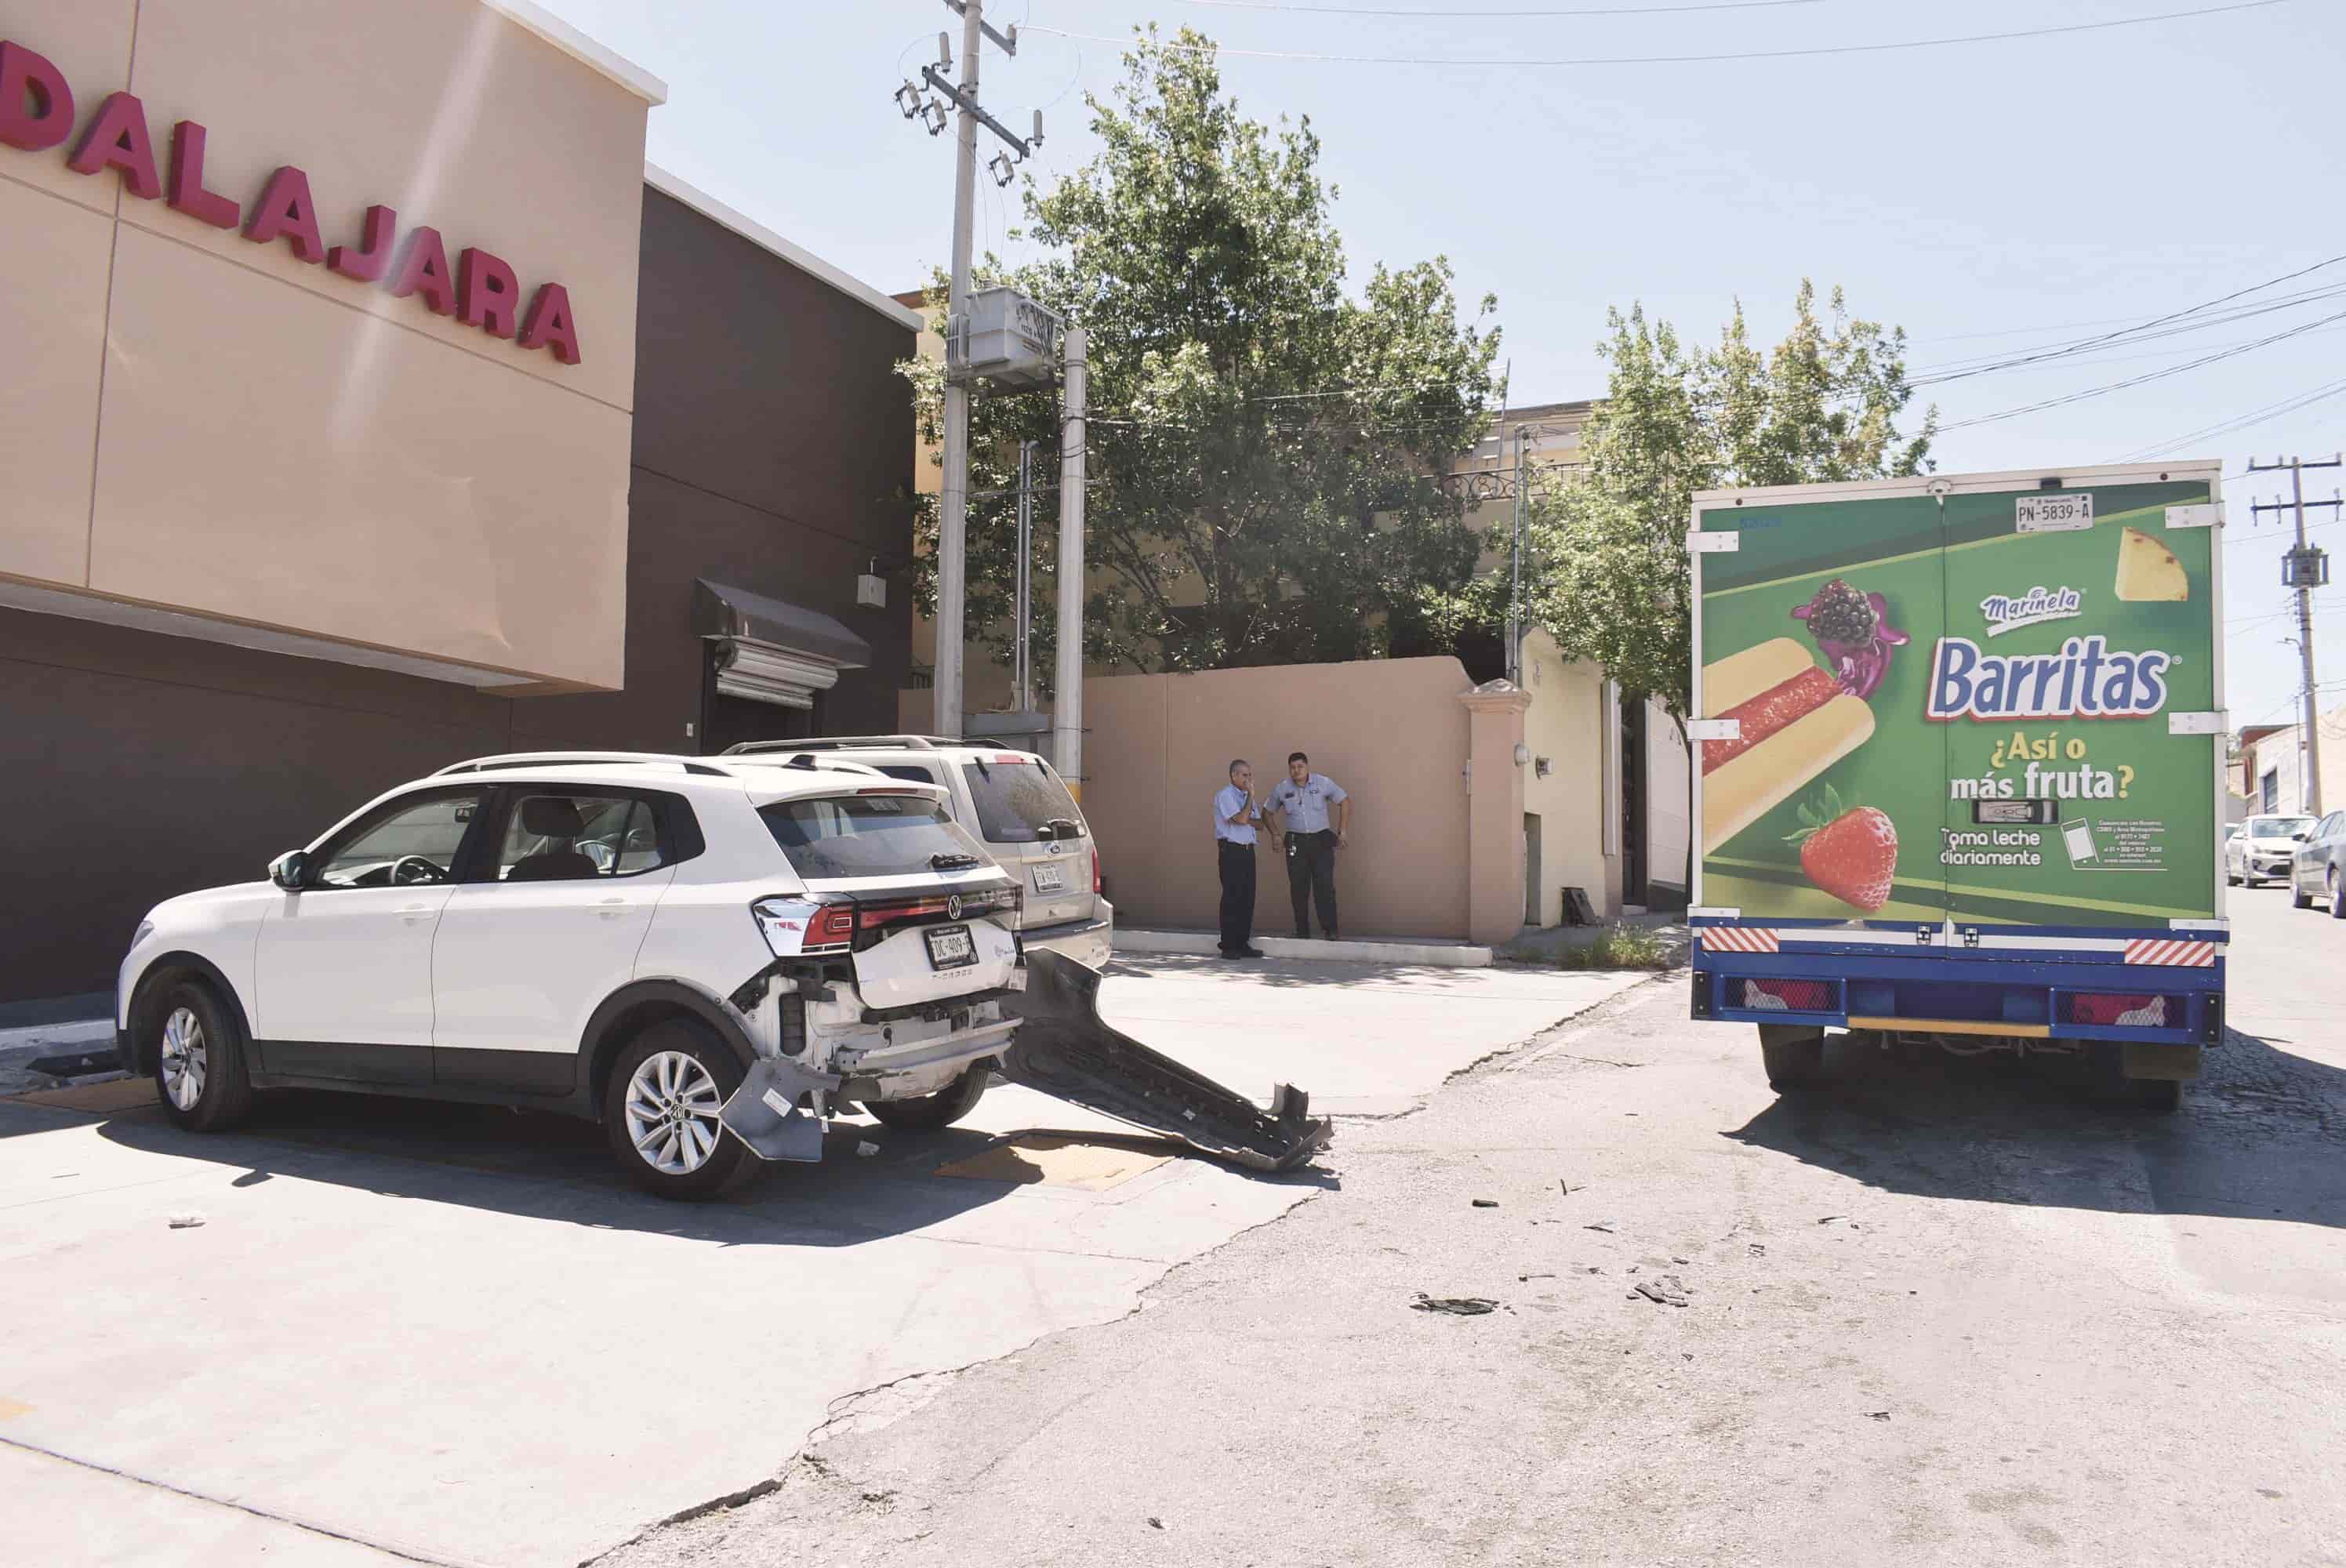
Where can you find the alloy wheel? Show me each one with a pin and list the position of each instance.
(186, 1059)
(671, 1110)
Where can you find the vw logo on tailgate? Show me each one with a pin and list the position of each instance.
(953, 907)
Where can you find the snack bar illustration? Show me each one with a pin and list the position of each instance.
(1794, 722)
(2148, 572)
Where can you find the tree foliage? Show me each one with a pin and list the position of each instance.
(1262, 440)
(1606, 571)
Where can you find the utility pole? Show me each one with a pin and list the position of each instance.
(2304, 568)
(1515, 570)
(953, 500)
(1067, 686)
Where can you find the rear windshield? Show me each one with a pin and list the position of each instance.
(1019, 802)
(2279, 827)
(869, 836)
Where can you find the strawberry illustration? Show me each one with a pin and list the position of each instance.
(1852, 854)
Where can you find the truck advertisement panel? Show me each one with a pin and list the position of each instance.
(1957, 706)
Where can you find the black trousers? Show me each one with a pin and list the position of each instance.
(1237, 863)
(1312, 872)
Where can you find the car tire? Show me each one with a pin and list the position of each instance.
(2337, 896)
(660, 1112)
(930, 1113)
(199, 1071)
(1793, 1055)
(2229, 880)
(2298, 899)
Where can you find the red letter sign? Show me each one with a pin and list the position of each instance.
(37, 107)
(424, 271)
(488, 293)
(187, 192)
(116, 138)
(373, 258)
(286, 211)
(548, 324)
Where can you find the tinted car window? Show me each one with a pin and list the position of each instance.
(2279, 827)
(869, 836)
(1019, 802)
(907, 772)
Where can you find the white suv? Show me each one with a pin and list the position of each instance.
(627, 938)
(1015, 804)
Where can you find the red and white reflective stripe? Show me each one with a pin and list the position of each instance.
(2168, 950)
(1737, 938)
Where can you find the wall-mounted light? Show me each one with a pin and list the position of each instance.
(1522, 754)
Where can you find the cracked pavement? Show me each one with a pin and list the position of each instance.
(454, 1335)
(1942, 1311)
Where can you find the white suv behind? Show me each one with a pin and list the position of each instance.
(626, 938)
(1014, 803)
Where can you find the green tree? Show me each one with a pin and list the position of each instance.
(1607, 570)
(1261, 442)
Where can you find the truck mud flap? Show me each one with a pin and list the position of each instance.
(1064, 1050)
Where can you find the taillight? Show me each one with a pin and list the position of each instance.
(835, 923)
(1095, 876)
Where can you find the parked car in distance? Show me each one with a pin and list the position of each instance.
(2265, 850)
(621, 937)
(2319, 869)
(1013, 802)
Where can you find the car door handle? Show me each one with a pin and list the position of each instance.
(612, 909)
(411, 913)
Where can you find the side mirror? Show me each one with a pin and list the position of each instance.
(288, 870)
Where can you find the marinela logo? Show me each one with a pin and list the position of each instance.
(2085, 680)
(2008, 613)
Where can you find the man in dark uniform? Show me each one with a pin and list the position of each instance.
(1303, 802)
(1235, 817)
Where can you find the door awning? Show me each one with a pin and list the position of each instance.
(769, 650)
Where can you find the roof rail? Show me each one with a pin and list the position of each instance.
(576, 760)
(809, 762)
(846, 743)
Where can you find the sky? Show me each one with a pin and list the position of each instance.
(1993, 198)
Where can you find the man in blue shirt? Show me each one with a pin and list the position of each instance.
(1303, 802)
(1235, 817)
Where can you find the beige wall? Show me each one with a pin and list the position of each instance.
(199, 423)
(1566, 725)
(1437, 842)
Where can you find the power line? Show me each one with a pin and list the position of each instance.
(1677, 59)
(2261, 307)
(2243, 422)
(2198, 318)
(2146, 377)
(1540, 11)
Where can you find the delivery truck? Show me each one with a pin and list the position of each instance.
(1958, 750)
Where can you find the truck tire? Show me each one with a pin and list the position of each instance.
(2158, 1096)
(1794, 1055)
(929, 1112)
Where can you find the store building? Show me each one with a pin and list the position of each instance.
(371, 405)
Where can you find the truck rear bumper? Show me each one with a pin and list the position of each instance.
(1944, 993)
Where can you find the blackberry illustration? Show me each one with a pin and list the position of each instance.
(1840, 614)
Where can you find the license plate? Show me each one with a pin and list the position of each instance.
(2057, 513)
(951, 947)
(1051, 878)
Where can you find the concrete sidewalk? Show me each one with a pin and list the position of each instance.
(453, 1332)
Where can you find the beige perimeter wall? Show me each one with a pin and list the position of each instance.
(196, 421)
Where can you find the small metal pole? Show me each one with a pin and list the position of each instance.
(1024, 698)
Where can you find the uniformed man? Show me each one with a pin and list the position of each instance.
(1236, 816)
(1302, 802)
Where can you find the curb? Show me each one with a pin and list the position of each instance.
(1431, 955)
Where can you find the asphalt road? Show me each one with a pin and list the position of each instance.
(455, 1335)
(1939, 1311)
